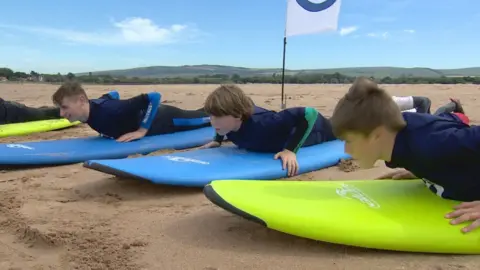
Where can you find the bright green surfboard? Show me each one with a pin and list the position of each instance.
(382, 214)
(34, 127)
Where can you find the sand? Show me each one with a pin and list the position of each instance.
(69, 217)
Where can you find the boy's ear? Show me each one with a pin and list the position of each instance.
(83, 99)
(377, 133)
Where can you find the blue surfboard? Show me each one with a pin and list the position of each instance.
(81, 149)
(197, 168)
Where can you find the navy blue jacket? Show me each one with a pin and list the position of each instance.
(441, 150)
(270, 131)
(114, 118)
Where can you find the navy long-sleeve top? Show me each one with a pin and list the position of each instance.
(270, 131)
(441, 150)
(114, 118)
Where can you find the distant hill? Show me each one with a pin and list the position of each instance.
(201, 70)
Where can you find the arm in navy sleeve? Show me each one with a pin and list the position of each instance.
(303, 120)
(456, 144)
(154, 101)
(144, 102)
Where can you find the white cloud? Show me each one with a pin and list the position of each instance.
(129, 31)
(383, 35)
(410, 31)
(348, 30)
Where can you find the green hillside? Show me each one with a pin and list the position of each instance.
(199, 70)
(473, 71)
(184, 71)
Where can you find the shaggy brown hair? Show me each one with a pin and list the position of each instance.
(229, 100)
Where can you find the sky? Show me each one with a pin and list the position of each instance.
(80, 36)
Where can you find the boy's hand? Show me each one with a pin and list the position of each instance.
(398, 175)
(467, 211)
(289, 160)
(212, 144)
(135, 135)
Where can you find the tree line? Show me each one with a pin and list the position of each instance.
(276, 78)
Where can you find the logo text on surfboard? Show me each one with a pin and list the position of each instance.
(184, 159)
(351, 192)
(15, 145)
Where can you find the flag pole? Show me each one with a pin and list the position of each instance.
(307, 17)
(284, 101)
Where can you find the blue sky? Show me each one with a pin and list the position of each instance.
(74, 36)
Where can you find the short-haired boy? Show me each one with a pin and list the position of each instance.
(125, 120)
(442, 150)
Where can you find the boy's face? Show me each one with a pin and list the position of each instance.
(74, 109)
(225, 124)
(365, 149)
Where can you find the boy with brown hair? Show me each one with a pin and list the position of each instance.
(440, 149)
(234, 115)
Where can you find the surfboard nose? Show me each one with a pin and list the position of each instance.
(216, 199)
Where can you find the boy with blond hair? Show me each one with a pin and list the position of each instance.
(234, 115)
(441, 149)
(128, 119)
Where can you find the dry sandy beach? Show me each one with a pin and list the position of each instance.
(69, 217)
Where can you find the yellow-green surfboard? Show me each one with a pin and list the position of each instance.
(382, 214)
(26, 128)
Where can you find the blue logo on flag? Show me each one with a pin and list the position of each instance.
(315, 7)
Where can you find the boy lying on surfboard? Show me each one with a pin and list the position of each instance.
(442, 149)
(234, 115)
(421, 104)
(417, 104)
(125, 120)
(13, 112)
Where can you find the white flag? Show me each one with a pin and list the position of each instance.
(311, 16)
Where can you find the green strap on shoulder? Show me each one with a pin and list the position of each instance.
(311, 116)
